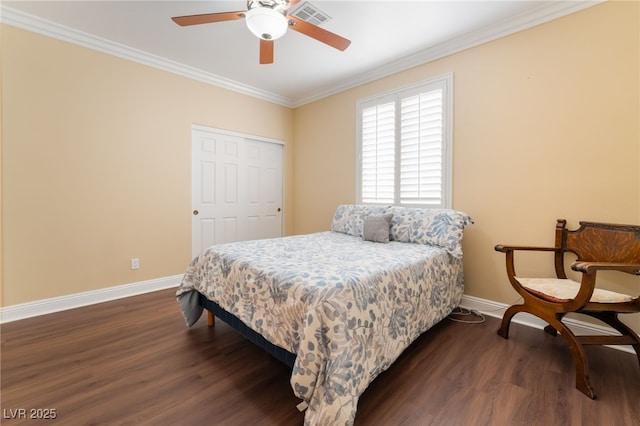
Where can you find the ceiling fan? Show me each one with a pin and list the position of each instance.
(268, 20)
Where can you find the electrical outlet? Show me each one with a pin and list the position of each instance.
(135, 263)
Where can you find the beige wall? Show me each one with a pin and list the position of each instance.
(96, 165)
(96, 151)
(1, 174)
(546, 126)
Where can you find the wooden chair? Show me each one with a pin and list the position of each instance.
(598, 246)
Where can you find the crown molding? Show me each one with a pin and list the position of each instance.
(28, 22)
(547, 11)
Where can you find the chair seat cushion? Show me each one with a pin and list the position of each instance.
(564, 290)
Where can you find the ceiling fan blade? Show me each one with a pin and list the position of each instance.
(322, 35)
(266, 51)
(291, 4)
(207, 18)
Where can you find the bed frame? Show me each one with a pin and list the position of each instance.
(332, 393)
(214, 310)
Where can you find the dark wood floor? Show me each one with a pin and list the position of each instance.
(133, 361)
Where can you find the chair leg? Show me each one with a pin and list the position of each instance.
(583, 382)
(506, 320)
(550, 329)
(611, 318)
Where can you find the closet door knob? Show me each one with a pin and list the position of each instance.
(195, 212)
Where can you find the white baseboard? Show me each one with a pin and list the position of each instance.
(495, 309)
(63, 303)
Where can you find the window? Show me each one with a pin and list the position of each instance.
(404, 146)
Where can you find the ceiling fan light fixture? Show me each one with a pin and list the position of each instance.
(266, 23)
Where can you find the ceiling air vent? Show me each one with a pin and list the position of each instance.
(310, 13)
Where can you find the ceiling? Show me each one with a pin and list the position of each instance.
(386, 36)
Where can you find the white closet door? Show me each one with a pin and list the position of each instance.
(236, 189)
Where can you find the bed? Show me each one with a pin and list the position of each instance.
(338, 306)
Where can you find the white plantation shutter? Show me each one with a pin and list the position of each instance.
(405, 146)
(378, 153)
(421, 148)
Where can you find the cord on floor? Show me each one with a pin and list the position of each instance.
(462, 312)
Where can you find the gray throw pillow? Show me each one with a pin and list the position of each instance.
(376, 228)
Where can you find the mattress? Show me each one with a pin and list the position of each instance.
(346, 307)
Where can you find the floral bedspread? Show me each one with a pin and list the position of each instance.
(346, 307)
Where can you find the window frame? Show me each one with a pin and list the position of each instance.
(444, 82)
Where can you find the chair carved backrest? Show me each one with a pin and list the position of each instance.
(597, 242)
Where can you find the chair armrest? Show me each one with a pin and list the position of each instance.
(504, 249)
(589, 267)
